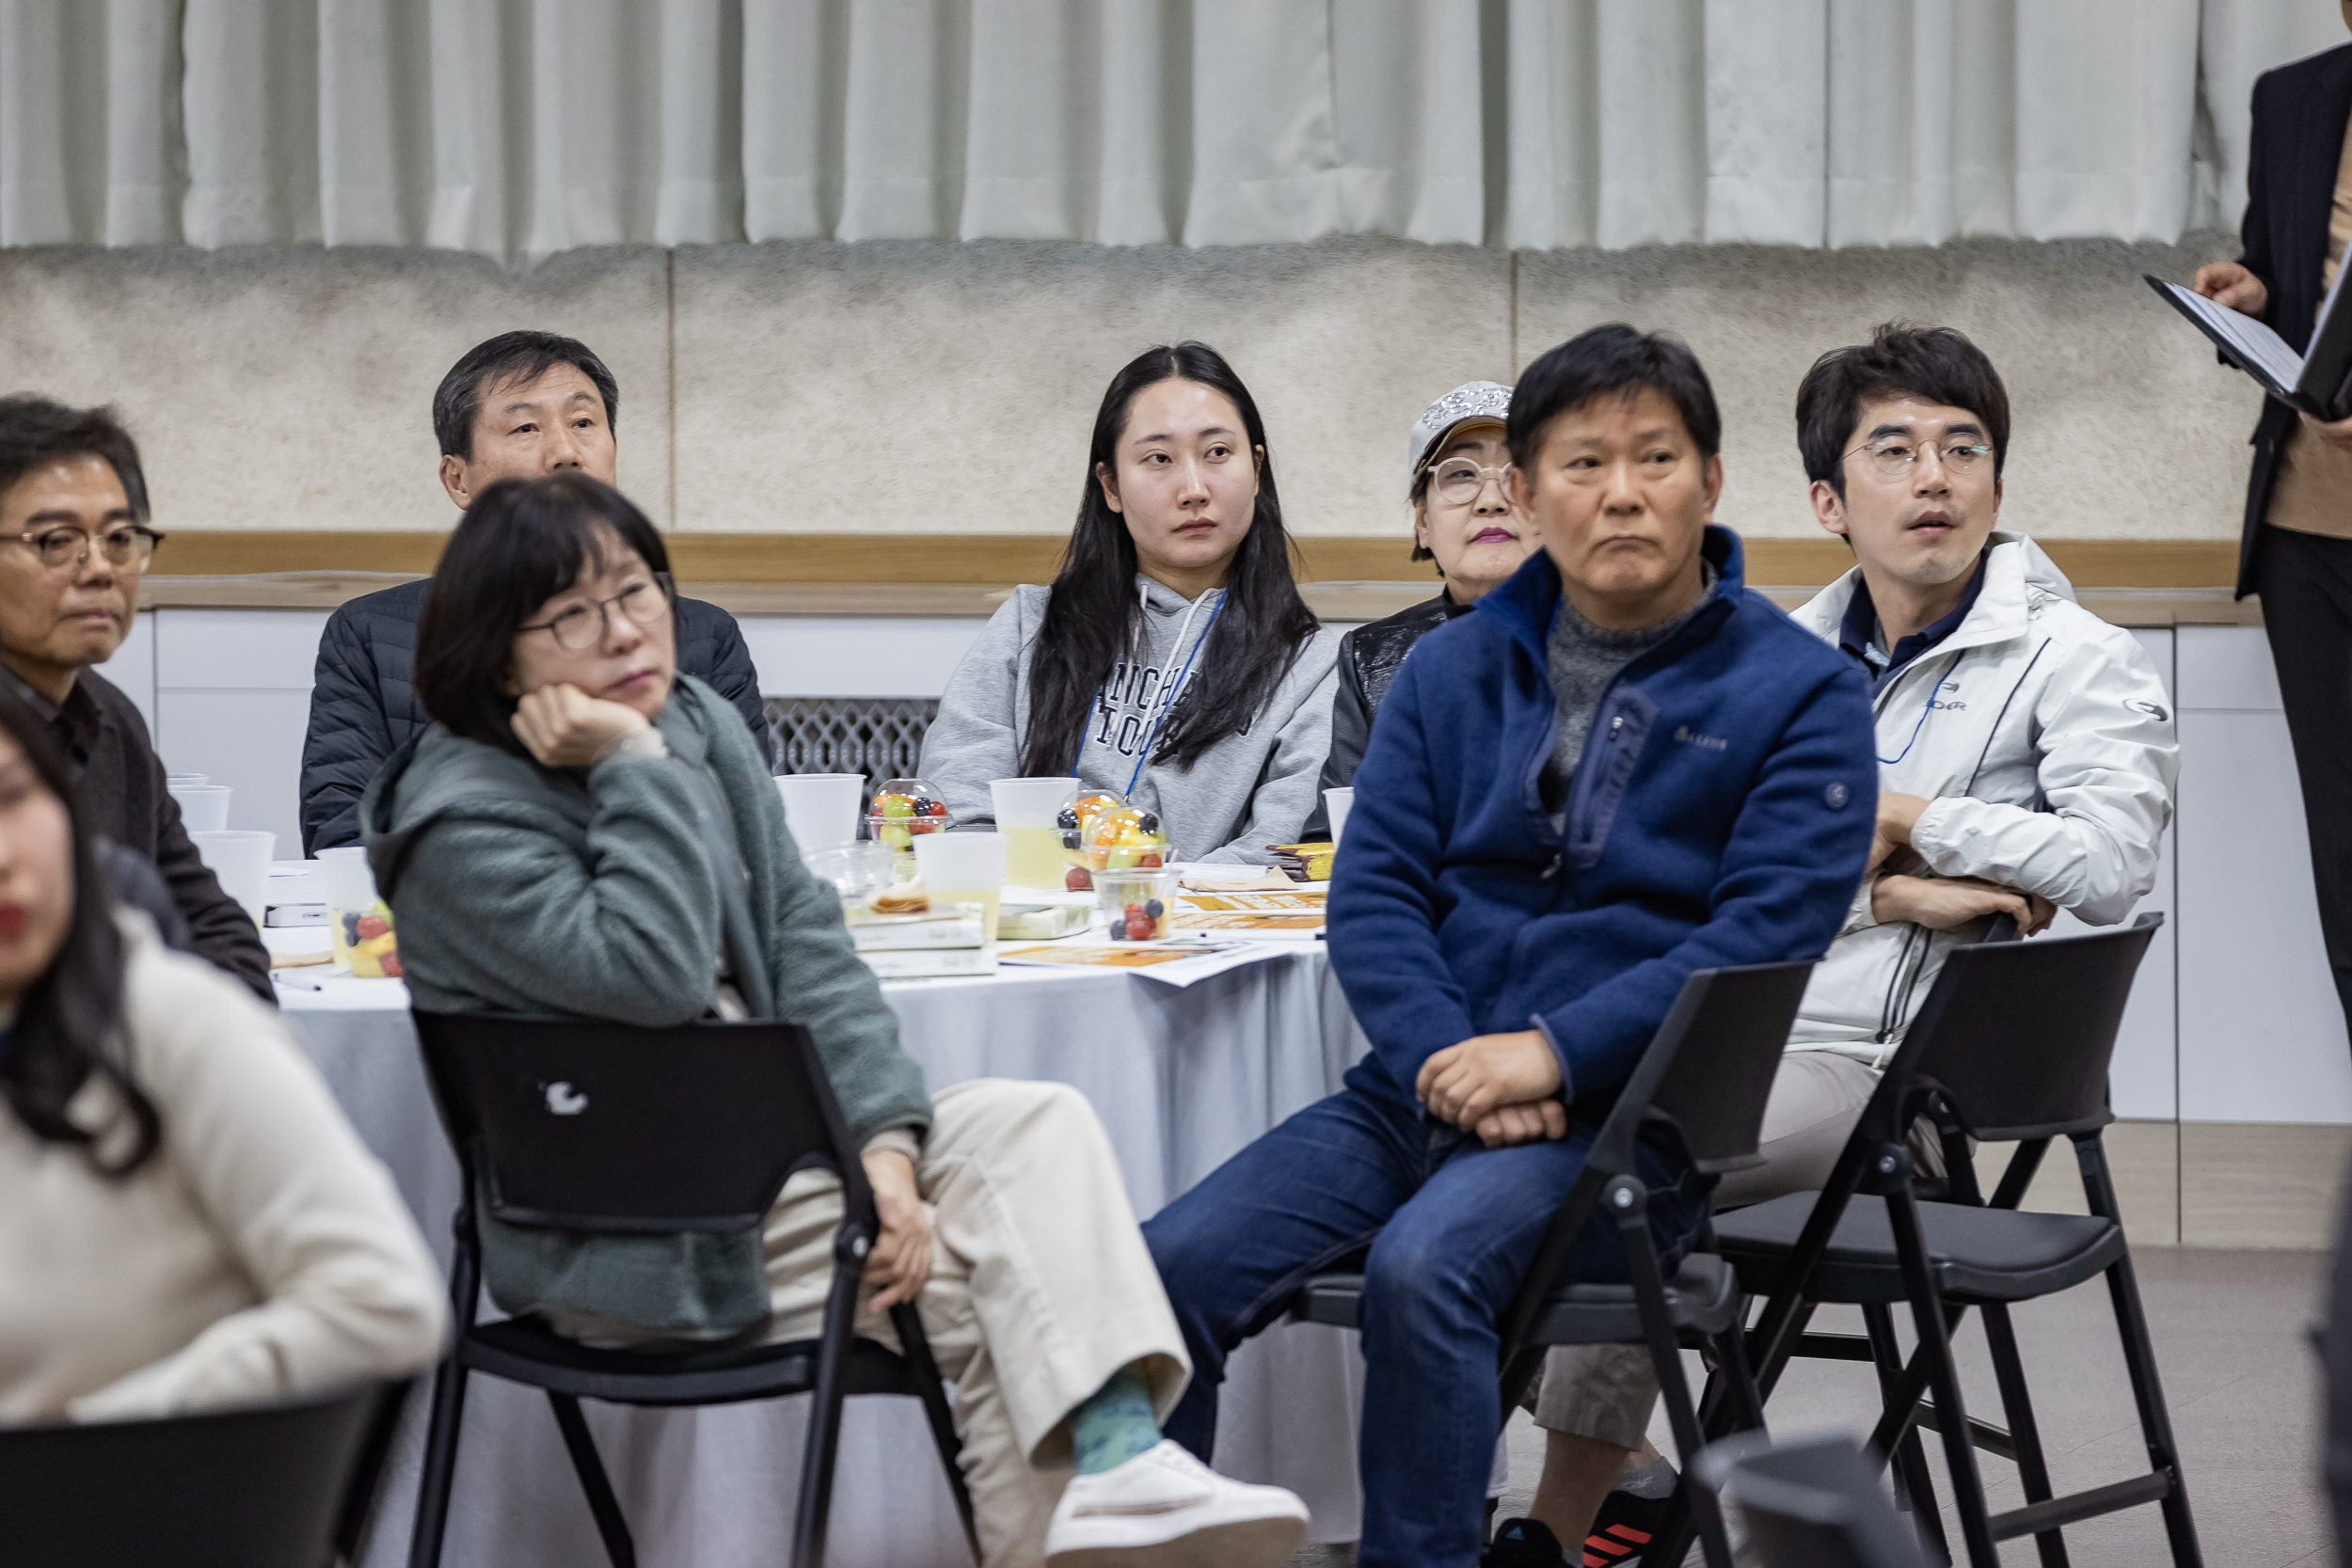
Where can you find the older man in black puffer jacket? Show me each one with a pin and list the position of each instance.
(521, 404)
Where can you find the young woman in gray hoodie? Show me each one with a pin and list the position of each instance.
(1172, 661)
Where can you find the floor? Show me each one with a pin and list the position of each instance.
(2238, 1372)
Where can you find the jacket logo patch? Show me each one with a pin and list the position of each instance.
(1836, 796)
(1690, 737)
(2153, 710)
(565, 1101)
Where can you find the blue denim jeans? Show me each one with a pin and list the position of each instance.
(1451, 1226)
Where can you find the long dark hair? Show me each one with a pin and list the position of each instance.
(69, 1022)
(1091, 619)
(521, 543)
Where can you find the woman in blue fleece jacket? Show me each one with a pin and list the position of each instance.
(1623, 766)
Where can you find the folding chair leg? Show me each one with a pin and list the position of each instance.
(440, 1463)
(1951, 1411)
(824, 1415)
(593, 1480)
(1914, 1485)
(916, 1346)
(1665, 1351)
(2033, 1472)
(2155, 1423)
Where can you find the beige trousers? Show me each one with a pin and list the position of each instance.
(1605, 1392)
(1041, 1289)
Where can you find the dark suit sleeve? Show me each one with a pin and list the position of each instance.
(348, 740)
(219, 930)
(2254, 230)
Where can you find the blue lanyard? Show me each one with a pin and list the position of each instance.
(1925, 708)
(1143, 752)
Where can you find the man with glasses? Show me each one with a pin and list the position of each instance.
(516, 406)
(74, 540)
(2026, 758)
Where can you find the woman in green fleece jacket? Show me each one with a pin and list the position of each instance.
(582, 831)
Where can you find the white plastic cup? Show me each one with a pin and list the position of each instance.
(1337, 803)
(185, 780)
(1026, 808)
(963, 868)
(241, 860)
(821, 808)
(349, 884)
(204, 808)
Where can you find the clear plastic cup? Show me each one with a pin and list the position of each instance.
(1337, 803)
(1136, 903)
(359, 923)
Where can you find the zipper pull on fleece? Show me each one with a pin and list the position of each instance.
(1553, 869)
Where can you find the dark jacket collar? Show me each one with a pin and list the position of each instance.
(1530, 598)
(1861, 624)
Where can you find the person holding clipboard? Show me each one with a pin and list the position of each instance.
(2297, 552)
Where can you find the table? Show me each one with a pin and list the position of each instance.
(1181, 1079)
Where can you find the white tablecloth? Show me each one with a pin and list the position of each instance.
(1181, 1079)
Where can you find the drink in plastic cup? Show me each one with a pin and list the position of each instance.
(963, 868)
(204, 808)
(821, 808)
(359, 923)
(241, 860)
(1026, 808)
(1337, 803)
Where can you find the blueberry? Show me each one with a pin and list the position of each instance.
(1148, 822)
(1069, 817)
(1156, 908)
(351, 928)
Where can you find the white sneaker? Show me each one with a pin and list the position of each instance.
(1165, 1509)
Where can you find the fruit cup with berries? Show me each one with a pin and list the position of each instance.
(1125, 839)
(903, 811)
(1136, 903)
(1071, 830)
(364, 942)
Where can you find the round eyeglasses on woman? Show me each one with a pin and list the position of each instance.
(1459, 481)
(1896, 455)
(583, 626)
(65, 549)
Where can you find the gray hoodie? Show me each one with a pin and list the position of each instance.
(1247, 791)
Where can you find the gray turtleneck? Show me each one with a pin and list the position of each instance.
(1582, 659)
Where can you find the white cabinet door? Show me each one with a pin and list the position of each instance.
(853, 656)
(233, 699)
(2262, 1031)
(2142, 1081)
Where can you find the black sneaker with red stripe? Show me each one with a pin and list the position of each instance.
(1622, 1530)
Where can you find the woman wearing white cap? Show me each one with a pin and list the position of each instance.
(1463, 520)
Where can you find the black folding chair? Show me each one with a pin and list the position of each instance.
(266, 1486)
(2012, 1044)
(1706, 1073)
(1814, 1503)
(605, 1128)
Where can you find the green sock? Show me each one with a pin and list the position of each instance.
(1114, 1423)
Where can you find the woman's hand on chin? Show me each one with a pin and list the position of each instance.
(562, 726)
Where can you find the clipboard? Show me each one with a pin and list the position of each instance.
(2318, 381)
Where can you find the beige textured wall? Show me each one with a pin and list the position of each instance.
(920, 387)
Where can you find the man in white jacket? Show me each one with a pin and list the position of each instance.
(2026, 759)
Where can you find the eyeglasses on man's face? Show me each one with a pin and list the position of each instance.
(583, 626)
(1459, 481)
(63, 547)
(1896, 456)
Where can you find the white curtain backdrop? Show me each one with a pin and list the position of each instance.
(519, 128)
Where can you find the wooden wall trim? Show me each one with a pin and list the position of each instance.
(999, 560)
